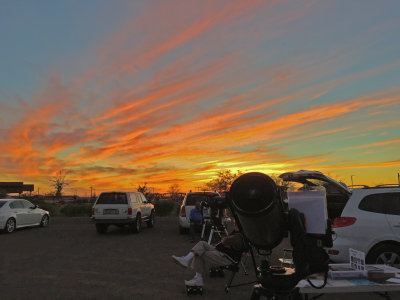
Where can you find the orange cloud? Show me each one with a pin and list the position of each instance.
(377, 144)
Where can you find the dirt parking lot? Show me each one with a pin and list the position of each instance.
(69, 260)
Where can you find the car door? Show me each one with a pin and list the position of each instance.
(143, 205)
(33, 214)
(392, 212)
(135, 203)
(147, 204)
(18, 209)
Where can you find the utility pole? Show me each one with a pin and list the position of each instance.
(352, 180)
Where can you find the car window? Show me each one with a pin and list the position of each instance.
(392, 203)
(27, 204)
(16, 204)
(193, 198)
(112, 198)
(143, 198)
(134, 198)
(384, 203)
(2, 203)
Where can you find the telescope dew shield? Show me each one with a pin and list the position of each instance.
(257, 204)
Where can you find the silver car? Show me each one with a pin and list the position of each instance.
(18, 213)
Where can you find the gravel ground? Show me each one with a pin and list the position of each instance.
(69, 260)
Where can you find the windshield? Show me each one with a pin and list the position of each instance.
(112, 198)
(2, 203)
(193, 198)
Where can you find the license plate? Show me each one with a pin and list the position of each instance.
(110, 212)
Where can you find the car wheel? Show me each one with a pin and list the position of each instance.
(150, 222)
(385, 254)
(10, 225)
(45, 221)
(101, 228)
(137, 225)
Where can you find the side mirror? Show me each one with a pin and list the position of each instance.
(33, 207)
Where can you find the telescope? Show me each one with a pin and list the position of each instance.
(260, 212)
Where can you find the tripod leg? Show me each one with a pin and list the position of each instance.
(202, 231)
(211, 235)
(244, 268)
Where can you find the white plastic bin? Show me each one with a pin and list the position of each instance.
(312, 203)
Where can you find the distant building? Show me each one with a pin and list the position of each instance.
(16, 187)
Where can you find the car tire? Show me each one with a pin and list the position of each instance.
(150, 222)
(101, 228)
(10, 225)
(135, 227)
(387, 254)
(45, 221)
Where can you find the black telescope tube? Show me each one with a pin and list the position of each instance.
(256, 201)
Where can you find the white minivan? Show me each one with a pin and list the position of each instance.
(364, 218)
(122, 208)
(188, 204)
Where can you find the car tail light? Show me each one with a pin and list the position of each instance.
(183, 211)
(333, 252)
(130, 211)
(343, 222)
(92, 211)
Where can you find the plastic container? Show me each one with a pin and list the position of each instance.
(312, 203)
(344, 271)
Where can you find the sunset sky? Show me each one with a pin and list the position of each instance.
(119, 93)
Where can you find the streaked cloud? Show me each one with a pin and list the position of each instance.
(172, 97)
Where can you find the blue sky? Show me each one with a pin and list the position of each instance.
(164, 92)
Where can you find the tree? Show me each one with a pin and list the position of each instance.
(143, 189)
(58, 183)
(223, 181)
(284, 185)
(174, 190)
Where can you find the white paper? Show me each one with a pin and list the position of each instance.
(393, 280)
(357, 259)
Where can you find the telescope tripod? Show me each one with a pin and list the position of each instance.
(219, 229)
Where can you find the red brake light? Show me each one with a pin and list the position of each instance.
(130, 211)
(343, 222)
(183, 211)
(92, 211)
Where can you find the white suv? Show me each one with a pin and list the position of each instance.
(364, 218)
(188, 204)
(122, 208)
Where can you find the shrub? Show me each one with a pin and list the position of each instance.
(51, 208)
(76, 210)
(165, 207)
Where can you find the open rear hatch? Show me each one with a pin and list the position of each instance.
(337, 193)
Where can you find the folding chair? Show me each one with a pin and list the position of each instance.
(234, 268)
